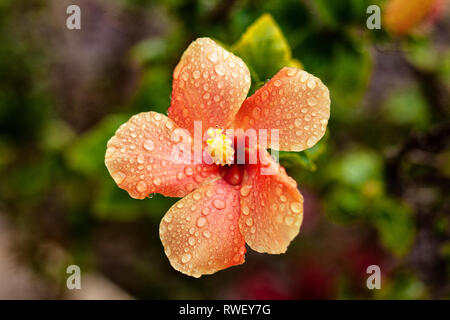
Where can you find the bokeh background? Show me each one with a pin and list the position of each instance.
(376, 187)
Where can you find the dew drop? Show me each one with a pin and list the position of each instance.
(185, 258)
(291, 72)
(310, 142)
(196, 196)
(212, 56)
(168, 218)
(289, 220)
(245, 190)
(149, 145)
(169, 125)
(312, 102)
(311, 83)
(140, 158)
(220, 69)
(188, 171)
(219, 204)
(118, 176)
(141, 186)
(296, 207)
(201, 222)
(156, 181)
(207, 234)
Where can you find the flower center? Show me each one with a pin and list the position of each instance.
(220, 147)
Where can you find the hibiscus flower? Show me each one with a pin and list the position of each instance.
(225, 203)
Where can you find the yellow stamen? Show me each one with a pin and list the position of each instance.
(220, 147)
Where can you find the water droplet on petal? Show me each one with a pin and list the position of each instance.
(291, 72)
(168, 218)
(289, 220)
(205, 211)
(220, 69)
(201, 222)
(310, 142)
(212, 56)
(296, 207)
(245, 190)
(140, 158)
(118, 176)
(149, 145)
(219, 204)
(311, 83)
(207, 234)
(185, 258)
(141, 186)
(188, 171)
(312, 102)
(156, 181)
(196, 196)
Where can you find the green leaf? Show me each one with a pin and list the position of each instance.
(356, 168)
(264, 48)
(295, 159)
(344, 204)
(154, 90)
(394, 223)
(343, 64)
(407, 107)
(113, 203)
(402, 285)
(87, 154)
(149, 50)
(338, 14)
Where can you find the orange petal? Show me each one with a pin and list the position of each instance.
(209, 85)
(294, 102)
(400, 16)
(200, 232)
(271, 208)
(140, 158)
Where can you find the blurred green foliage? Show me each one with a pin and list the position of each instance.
(370, 172)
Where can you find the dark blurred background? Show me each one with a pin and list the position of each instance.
(376, 187)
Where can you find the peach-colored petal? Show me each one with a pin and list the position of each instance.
(209, 84)
(200, 232)
(271, 208)
(141, 158)
(294, 102)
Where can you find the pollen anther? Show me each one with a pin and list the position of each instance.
(220, 147)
